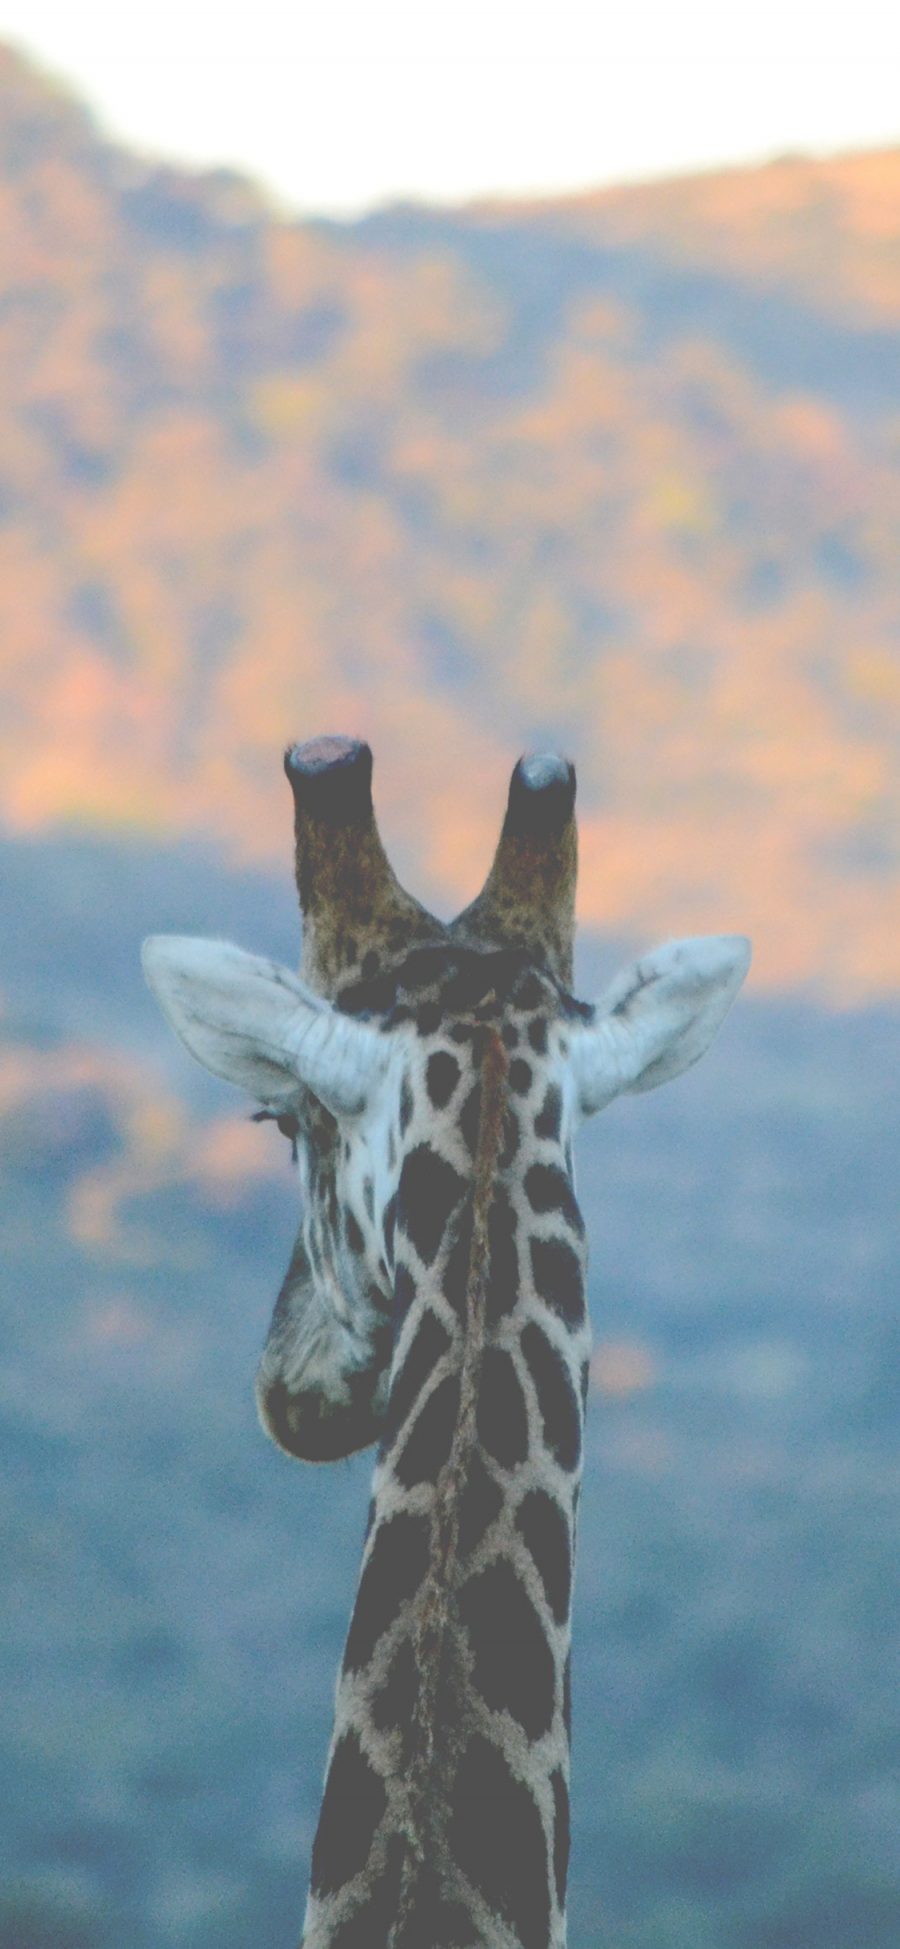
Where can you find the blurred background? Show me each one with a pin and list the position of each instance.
(466, 393)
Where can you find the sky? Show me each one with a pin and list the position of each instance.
(345, 104)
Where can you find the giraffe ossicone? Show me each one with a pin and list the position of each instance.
(433, 1076)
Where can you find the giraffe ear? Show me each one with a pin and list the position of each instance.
(255, 1024)
(658, 1018)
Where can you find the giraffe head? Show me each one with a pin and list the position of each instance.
(367, 1052)
(433, 1078)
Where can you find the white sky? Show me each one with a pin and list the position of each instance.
(346, 103)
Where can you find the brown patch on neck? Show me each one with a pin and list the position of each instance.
(528, 899)
(357, 919)
(437, 1593)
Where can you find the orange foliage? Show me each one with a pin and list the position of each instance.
(153, 1143)
(620, 1368)
(259, 479)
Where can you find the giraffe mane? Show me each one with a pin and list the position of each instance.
(434, 1613)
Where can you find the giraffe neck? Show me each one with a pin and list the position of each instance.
(434, 1610)
(445, 1816)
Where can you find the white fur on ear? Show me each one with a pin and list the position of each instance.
(254, 1023)
(658, 1018)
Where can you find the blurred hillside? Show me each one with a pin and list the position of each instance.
(176, 1590)
(620, 472)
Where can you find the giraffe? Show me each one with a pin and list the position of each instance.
(431, 1077)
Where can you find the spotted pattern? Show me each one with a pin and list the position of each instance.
(352, 1807)
(521, 1076)
(456, 1268)
(560, 1832)
(368, 1926)
(547, 1188)
(558, 1278)
(458, 1644)
(502, 1415)
(394, 1703)
(469, 1119)
(441, 1077)
(430, 1189)
(544, 1529)
(512, 1662)
(503, 1285)
(437, 1920)
(393, 1572)
(426, 1449)
(480, 1504)
(498, 1838)
(404, 1293)
(557, 1401)
(429, 1342)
